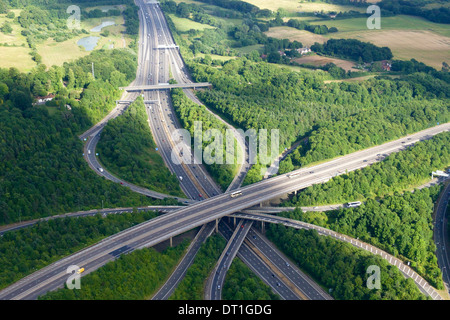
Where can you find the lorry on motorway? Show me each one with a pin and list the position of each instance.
(292, 175)
(353, 204)
(236, 194)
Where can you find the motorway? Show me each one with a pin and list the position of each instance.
(163, 227)
(408, 272)
(181, 76)
(255, 263)
(225, 260)
(181, 269)
(163, 209)
(274, 268)
(169, 123)
(153, 68)
(162, 119)
(440, 235)
(218, 205)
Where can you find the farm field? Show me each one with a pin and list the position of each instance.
(56, 53)
(293, 6)
(400, 22)
(305, 37)
(408, 37)
(183, 24)
(215, 57)
(16, 54)
(16, 57)
(317, 61)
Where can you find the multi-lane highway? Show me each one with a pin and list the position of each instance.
(162, 121)
(180, 271)
(162, 228)
(225, 260)
(408, 272)
(169, 123)
(256, 264)
(440, 235)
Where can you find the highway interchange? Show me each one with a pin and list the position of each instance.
(197, 185)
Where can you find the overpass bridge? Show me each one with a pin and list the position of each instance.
(408, 272)
(170, 46)
(131, 101)
(168, 86)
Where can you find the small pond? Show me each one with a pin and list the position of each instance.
(101, 26)
(88, 43)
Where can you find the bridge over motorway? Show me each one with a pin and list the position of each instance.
(168, 86)
(131, 101)
(408, 272)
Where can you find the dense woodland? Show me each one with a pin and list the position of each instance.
(417, 8)
(127, 149)
(27, 250)
(337, 118)
(341, 267)
(134, 276)
(400, 224)
(189, 112)
(353, 49)
(43, 171)
(398, 172)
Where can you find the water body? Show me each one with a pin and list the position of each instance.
(101, 26)
(89, 43)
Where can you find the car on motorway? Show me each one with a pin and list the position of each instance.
(100, 169)
(81, 270)
(218, 287)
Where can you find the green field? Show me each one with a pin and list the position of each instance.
(215, 57)
(56, 53)
(293, 6)
(400, 22)
(17, 54)
(248, 49)
(184, 25)
(408, 37)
